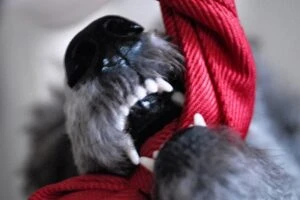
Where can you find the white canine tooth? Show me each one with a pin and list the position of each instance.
(199, 120)
(133, 156)
(178, 98)
(155, 154)
(148, 163)
(146, 104)
(151, 86)
(125, 110)
(131, 152)
(131, 100)
(120, 124)
(140, 92)
(163, 85)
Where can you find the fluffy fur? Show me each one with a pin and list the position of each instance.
(50, 159)
(213, 164)
(202, 164)
(93, 109)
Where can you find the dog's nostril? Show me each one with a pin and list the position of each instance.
(121, 27)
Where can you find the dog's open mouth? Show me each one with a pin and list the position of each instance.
(157, 104)
(142, 73)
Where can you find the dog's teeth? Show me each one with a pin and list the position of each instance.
(151, 86)
(125, 110)
(199, 120)
(148, 163)
(146, 104)
(131, 100)
(178, 98)
(140, 92)
(131, 152)
(134, 157)
(155, 154)
(120, 124)
(163, 85)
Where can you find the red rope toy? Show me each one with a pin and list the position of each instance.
(220, 84)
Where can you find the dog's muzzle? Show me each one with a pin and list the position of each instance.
(107, 43)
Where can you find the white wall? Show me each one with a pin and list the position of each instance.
(276, 24)
(34, 34)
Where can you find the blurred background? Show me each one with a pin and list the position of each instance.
(35, 33)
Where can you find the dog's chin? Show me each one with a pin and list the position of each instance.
(150, 115)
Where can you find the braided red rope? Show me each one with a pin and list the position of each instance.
(220, 67)
(220, 84)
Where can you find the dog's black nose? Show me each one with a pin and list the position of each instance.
(120, 27)
(103, 45)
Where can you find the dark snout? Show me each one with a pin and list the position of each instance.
(104, 45)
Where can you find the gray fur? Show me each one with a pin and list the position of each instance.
(212, 164)
(50, 159)
(93, 108)
(91, 124)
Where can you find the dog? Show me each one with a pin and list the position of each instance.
(123, 85)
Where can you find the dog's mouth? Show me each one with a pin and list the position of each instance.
(150, 114)
(113, 45)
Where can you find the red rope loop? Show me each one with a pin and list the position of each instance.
(220, 84)
(220, 76)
